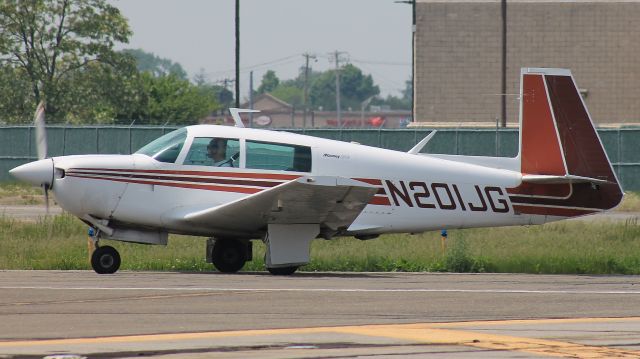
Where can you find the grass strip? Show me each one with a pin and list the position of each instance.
(566, 247)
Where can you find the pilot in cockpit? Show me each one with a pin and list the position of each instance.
(217, 151)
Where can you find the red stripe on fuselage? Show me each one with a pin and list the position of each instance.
(180, 179)
(200, 173)
(552, 211)
(180, 185)
(381, 201)
(375, 182)
(132, 176)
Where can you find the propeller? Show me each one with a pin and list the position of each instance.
(41, 132)
(41, 145)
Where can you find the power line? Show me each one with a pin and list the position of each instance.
(253, 67)
(384, 78)
(222, 75)
(389, 63)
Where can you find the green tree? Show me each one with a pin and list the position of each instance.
(269, 82)
(50, 41)
(355, 87)
(223, 96)
(175, 100)
(15, 104)
(395, 102)
(106, 94)
(156, 65)
(290, 94)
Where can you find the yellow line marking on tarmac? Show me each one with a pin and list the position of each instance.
(165, 337)
(535, 321)
(427, 333)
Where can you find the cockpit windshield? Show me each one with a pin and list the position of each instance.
(166, 148)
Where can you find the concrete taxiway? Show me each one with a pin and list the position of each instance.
(314, 315)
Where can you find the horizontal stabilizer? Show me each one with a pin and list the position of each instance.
(546, 179)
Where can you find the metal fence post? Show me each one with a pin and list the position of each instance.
(29, 141)
(64, 140)
(618, 167)
(456, 132)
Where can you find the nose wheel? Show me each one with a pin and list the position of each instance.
(105, 260)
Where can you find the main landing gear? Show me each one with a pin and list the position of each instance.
(228, 255)
(105, 260)
(283, 270)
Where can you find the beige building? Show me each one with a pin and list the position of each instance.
(458, 55)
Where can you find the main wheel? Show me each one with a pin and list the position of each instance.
(229, 255)
(105, 260)
(283, 270)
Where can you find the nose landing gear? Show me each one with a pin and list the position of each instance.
(104, 260)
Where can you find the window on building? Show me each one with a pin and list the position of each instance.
(277, 156)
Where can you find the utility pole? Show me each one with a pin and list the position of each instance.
(237, 53)
(503, 93)
(337, 59)
(251, 98)
(305, 96)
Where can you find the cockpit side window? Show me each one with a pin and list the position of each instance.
(166, 148)
(214, 151)
(278, 156)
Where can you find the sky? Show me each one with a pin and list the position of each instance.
(200, 35)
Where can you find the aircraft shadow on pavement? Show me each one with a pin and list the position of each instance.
(300, 274)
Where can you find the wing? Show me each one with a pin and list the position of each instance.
(332, 202)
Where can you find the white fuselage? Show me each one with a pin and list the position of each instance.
(416, 193)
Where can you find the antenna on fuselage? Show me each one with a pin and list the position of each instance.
(417, 148)
(235, 113)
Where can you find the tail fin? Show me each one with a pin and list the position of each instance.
(565, 169)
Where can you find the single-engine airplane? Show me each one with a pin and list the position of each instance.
(236, 184)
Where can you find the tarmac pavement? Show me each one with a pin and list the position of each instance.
(312, 315)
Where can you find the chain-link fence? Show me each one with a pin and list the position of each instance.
(17, 143)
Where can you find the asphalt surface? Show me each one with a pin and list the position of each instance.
(377, 315)
(315, 315)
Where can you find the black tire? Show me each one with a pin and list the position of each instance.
(105, 260)
(283, 270)
(229, 255)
